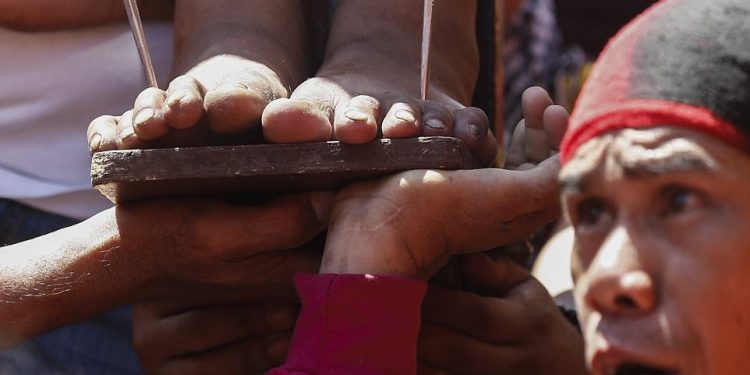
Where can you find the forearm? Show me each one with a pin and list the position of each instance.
(46, 15)
(65, 277)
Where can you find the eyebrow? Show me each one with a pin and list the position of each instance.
(679, 162)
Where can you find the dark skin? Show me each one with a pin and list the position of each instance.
(513, 327)
(50, 15)
(156, 250)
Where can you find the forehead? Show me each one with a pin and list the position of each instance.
(642, 153)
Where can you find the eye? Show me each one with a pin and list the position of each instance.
(679, 199)
(590, 211)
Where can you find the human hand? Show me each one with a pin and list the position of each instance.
(513, 327)
(409, 224)
(177, 337)
(211, 248)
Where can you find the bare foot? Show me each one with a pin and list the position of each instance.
(369, 81)
(237, 58)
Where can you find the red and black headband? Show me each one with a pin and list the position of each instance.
(682, 63)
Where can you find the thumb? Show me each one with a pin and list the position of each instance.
(505, 206)
(492, 277)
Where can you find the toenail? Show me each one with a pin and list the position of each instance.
(475, 130)
(127, 132)
(355, 115)
(174, 100)
(407, 116)
(435, 123)
(143, 116)
(95, 143)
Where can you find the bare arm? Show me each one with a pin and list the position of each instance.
(66, 276)
(206, 249)
(46, 15)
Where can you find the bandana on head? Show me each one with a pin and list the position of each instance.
(683, 63)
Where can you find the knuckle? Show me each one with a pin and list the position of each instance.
(296, 223)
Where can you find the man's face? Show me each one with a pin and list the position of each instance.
(662, 258)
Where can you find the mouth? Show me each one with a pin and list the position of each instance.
(639, 369)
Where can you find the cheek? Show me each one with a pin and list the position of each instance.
(710, 303)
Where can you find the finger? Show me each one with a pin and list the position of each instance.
(283, 224)
(489, 319)
(208, 328)
(555, 124)
(535, 101)
(495, 277)
(243, 357)
(517, 153)
(148, 114)
(102, 134)
(455, 353)
(184, 102)
(514, 204)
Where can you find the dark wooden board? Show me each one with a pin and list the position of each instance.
(130, 175)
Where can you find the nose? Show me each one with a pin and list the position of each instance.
(617, 283)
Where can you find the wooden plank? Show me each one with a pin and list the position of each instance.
(266, 170)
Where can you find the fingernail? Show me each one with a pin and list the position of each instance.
(435, 123)
(278, 348)
(322, 203)
(95, 143)
(143, 116)
(407, 116)
(355, 115)
(279, 318)
(174, 100)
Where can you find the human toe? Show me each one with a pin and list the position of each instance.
(472, 127)
(436, 121)
(235, 106)
(148, 115)
(295, 121)
(126, 137)
(356, 122)
(184, 103)
(102, 134)
(403, 120)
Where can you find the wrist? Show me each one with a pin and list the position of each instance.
(124, 267)
(378, 257)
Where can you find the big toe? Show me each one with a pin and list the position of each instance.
(295, 121)
(237, 106)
